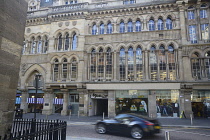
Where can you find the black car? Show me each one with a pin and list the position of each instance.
(134, 125)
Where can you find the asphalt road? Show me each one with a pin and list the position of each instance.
(87, 132)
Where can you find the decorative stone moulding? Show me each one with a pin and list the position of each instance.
(60, 24)
(67, 23)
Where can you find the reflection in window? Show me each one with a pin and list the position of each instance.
(74, 42)
(64, 70)
(138, 26)
(60, 42)
(139, 64)
(100, 65)
(203, 13)
(45, 44)
(67, 41)
(151, 25)
(192, 34)
(160, 24)
(94, 29)
(130, 26)
(122, 64)
(168, 24)
(205, 31)
(191, 15)
(153, 64)
(130, 64)
(108, 65)
(162, 63)
(39, 47)
(171, 63)
(101, 29)
(122, 27)
(24, 47)
(109, 28)
(33, 46)
(55, 70)
(207, 64)
(196, 67)
(93, 65)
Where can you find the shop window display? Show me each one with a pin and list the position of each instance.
(167, 103)
(132, 101)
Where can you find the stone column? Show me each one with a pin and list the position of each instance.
(185, 100)
(64, 112)
(48, 102)
(152, 112)
(24, 97)
(111, 104)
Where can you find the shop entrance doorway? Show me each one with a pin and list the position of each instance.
(198, 109)
(101, 106)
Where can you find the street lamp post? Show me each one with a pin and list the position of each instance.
(37, 85)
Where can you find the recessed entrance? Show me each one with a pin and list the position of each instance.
(102, 106)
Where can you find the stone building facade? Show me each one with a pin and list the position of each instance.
(150, 57)
(12, 24)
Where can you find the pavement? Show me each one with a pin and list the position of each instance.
(164, 121)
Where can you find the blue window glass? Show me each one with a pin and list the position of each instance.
(74, 42)
(138, 26)
(168, 24)
(101, 29)
(191, 15)
(205, 32)
(192, 34)
(160, 24)
(109, 28)
(203, 13)
(122, 27)
(151, 25)
(94, 30)
(130, 26)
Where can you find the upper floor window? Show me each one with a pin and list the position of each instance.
(101, 29)
(74, 69)
(94, 29)
(139, 64)
(74, 42)
(191, 13)
(138, 26)
(108, 65)
(122, 66)
(130, 26)
(169, 24)
(196, 65)
(67, 41)
(130, 64)
(60, 42)
(129, 1)
(109, 28)
(207, 64)
(122, 27)
(64, 69)
(33, 46)
(39, 47)
(171, 63)
(205, 32)
(153, 64)
(151, 25)
(162, 63)
(93, 65)
(203, 11)
(160, 24)
(47, 0)
(56, 70)
(192, 34)
(45, 44)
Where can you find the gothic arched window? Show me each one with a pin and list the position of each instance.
(108, 65)
(101, 29)
(55, 70)
(64, 69)
(139, 64)
(122, 67)
(151, 25)
(162, 63)
(94, 29)
(33, 46)
(67, 41)
(101, 65)
(130, 64)
(171, 63)
(74, 42)
(109, 28)
(93, 64)
(169, 24)
(74, 69)
(138, 26)
(122, 27)
(196, 65)
(153, 64)
(160, 24)
(39, 46)
(207, 64)
(130, 26)
(60, 42)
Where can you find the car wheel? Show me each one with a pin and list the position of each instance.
(100, 128)
(137, 133)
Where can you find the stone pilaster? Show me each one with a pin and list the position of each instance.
(152, 112)
(111, 104)
(48, 102)
(24, 97)
(64, 112)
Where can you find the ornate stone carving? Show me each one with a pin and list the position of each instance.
(67, 23)
(28, 30)
(74, 23)
(60, 24)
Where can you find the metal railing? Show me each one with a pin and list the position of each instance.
(32, 129)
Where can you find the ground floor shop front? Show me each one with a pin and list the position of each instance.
(150, 99)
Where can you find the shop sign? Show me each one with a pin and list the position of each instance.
(99, 96)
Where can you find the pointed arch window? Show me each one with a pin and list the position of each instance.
(33, 46)
(130, 26)
(94, 29)
(169, 24)
(130, 64)
(64, 69)
(101, 65)
(139, 64)
(207, 64)
(109, 28)
(74, 69)
(151, 25)
(138, 26)
(93, 64)
(160, 24)
(162, 63)
(196, 66)
(171, 63)
(122, 67)
(67, 41)
(45, 49)
(108, 65)
(153, 64)
(60, 42)
(24, 47)
(74, 42)
(55, 70)
(39, 47)
(101, 28)
(122, 27)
